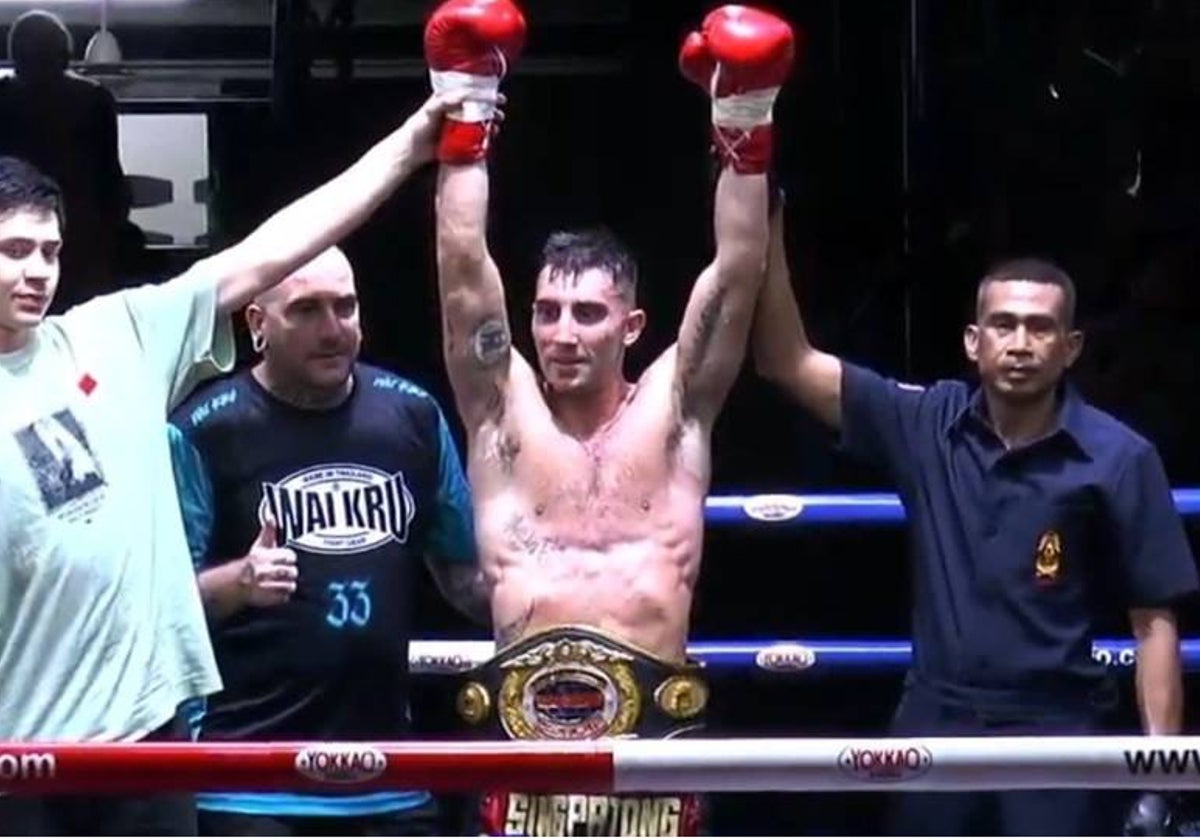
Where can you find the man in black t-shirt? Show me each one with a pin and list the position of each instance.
(340, 478)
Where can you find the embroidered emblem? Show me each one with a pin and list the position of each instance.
(1047, 564)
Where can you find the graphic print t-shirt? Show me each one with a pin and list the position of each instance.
(361, 493)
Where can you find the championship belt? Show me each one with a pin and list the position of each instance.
(576, 683)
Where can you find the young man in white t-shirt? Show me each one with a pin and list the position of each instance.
(102, 634)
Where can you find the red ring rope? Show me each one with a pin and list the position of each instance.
(613, 766)
(128, 768)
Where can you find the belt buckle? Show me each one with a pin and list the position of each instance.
(682, 696)
(569, 689)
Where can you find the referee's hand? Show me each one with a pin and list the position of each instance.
(268, 576)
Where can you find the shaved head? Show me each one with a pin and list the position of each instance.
(331, 265)
(307, 330)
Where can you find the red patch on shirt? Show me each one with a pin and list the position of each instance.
(87, 384)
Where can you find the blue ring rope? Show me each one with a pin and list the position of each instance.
(864, 656)
(873, 656)
(781, 656)
(855, 656)
(844, 508)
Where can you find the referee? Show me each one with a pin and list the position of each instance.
(1031, 512)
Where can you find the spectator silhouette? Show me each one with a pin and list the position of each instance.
(66, 126)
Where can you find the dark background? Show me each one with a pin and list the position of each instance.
(918, 141)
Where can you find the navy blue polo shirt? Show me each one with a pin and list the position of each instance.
(1015, 552)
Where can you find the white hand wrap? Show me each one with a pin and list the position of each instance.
(483, 92)
(744, 110)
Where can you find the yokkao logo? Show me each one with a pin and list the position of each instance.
(776, 507)
(441, 663)
(341, 764)
(785, 656)
(885, 764)
(339, 508)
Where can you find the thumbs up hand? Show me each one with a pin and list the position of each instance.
(268, 576)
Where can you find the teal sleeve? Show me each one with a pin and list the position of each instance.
(452, 537)
(195, 494)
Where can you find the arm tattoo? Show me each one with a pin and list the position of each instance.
(513, 630)
(490, 342)
(706, 330)
(495, 403)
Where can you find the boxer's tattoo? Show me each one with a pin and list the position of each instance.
(495, 403)
(710, 317)
(451, 337)
(513, 630)
(522, 537)
(490, 342)
(706, 331)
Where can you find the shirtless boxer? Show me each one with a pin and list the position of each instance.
(589, 489)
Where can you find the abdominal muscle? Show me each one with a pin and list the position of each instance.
(631, 579)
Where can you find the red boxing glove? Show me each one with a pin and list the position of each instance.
(470, 44)
(740, 57)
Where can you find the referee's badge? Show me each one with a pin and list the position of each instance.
(1047, 564)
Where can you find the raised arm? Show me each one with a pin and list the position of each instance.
(470, 45)
(782, 353)
(741, 56)
(309, 225)
(476, 339)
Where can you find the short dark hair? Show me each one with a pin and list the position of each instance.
(1034, 270)
(574, 252)
(25, 187)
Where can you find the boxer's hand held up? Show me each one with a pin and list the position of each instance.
(470, 45)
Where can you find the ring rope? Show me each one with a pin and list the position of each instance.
(882, 656)
(612, 766)
(844, 508)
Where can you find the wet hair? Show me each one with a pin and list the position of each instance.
(1033, 270)
(570, 253)
(25, 187)
(40, 39)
